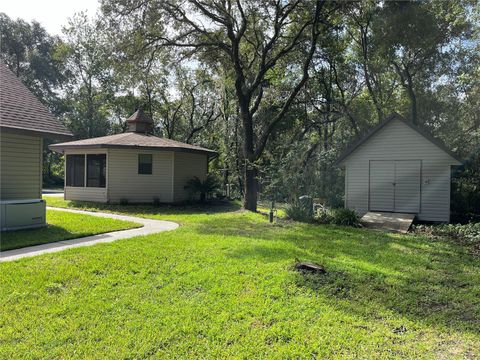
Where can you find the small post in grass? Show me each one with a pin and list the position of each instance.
(272, 211)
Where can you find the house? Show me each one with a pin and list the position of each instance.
(134, 167)
(398, 167)
(24, 123)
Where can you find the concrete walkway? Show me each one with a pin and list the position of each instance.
(53, 192)
(149, 227)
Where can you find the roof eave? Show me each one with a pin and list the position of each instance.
(35, 132)
(63, 147)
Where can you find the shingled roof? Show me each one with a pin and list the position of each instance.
(21, 111)
(131, 140)
(140, 116)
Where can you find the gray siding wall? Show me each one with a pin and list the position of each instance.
(21, 166)
(124, 182)
(188, 165)
(397, 141)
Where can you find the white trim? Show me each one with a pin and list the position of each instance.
(173, 176)
(85, 168)
(41, 169)
(345, 202)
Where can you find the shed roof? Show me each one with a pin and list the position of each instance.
(356, 144)
(21, 111)
(131, 140)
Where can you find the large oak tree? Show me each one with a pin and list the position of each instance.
(259, 43)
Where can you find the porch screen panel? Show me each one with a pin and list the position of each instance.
(75, 171)
(96, 170)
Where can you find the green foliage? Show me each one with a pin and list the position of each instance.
(202, 188)
(462, 233)
(29, 51)
(344, 217)
(371, 58)
(466, 191)
(298, 212)
(338, 216)
(62, 226)
(221, 286)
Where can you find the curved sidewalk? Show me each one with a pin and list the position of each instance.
(150, 226)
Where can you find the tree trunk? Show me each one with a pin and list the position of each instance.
(412, 96)
(366, 72)
(250, 193)
(407, 83)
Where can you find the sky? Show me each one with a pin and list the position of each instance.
(52, 14)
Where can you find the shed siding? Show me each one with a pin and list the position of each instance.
(187, 165)
(124, 182)
(397, 141)
(21, 166)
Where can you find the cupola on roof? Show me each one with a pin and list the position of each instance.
(140, 122)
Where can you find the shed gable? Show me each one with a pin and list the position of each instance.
(398, 141)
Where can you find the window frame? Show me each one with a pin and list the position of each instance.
(143, 171)
(70, 179)
(102, 172)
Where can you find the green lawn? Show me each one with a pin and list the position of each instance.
(62, 226)
(222, 285)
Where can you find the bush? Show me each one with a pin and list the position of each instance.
(345, 217)
(298, 212)
(204, 188)
(339, 216)
(323, 217)
(466, 234)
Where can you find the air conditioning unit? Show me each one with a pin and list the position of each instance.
(22, 214)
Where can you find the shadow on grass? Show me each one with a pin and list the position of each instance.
(21, 238)
(433, 282)
(147, 209)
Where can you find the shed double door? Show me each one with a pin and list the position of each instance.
(395, 185)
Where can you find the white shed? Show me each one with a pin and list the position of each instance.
(398, 167)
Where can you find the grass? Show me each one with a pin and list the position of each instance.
(222, 285)
(62, 226)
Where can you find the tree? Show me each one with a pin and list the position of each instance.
(90, 86)
(252, 40)
(412, 35)
(29, 51)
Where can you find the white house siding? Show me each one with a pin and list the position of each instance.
(21, 166)
(397, 141)
(187, 165)
(124, 182)
(85, 193)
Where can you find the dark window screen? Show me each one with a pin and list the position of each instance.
(145, 164)
(96, 170)
(75, 170)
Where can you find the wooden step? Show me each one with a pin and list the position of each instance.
(395, 222)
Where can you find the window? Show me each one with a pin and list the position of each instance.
(145, 164)
(96, 170)
(75, 170)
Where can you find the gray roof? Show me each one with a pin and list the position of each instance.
(140, 116)
(21, 111)
(382, 124)
(131, 140)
